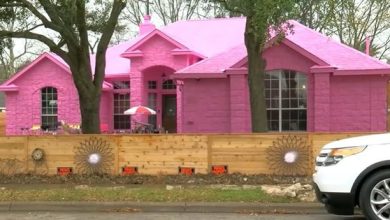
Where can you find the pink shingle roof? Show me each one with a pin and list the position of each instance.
(218, 63)
(115, 63)
(323, 49)
(208, 37)
(331, 51)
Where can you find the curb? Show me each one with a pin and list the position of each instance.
(181, 207)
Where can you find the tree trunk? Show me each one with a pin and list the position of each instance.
(90, 115)
(89, 95)
(256, 72)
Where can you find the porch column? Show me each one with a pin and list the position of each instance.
(136, 92)
(179, 105)
(239, 101)
(321, 101)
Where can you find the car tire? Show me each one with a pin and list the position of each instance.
(374, 197)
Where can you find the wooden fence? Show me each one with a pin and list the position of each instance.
(2, 123)
(164, 154)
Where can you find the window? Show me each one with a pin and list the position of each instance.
(286, 101)
(121, 85)
(121, 104)
(152, 84)
(49, 109)
(152, 103)
(168, 84)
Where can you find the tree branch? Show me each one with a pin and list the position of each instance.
(34, 36)
(108, 31)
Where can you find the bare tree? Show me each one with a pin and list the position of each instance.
(355, 20)
(168, 11)
(315, 14)
(71, 22)
(352, 21)
(13, 53)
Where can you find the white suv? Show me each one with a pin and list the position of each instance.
(355, 172)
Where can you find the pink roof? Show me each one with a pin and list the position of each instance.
(208, 37)
(321, 49)
(115, 64)
(218, 63)
(331, 51)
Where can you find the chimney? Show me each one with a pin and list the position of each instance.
(147, 26)
(368, 42)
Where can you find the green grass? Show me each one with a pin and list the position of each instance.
(146, 194)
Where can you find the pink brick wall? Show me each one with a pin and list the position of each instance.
(239, 104)
(358, 103)
(205, 106)
(24, 107)
(106, 109)
(322, 105)
(335, 103)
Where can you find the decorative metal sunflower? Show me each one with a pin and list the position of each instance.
(94, 156)
(40, 163)
(289, 155)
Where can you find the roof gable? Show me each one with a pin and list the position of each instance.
(10, 86)
(135, 47)
(41, 58)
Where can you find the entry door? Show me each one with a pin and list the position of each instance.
(169, 113)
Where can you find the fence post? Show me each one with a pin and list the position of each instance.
(209, 153)
(311, 151)
(26, 144)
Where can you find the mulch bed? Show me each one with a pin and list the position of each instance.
(198, 179)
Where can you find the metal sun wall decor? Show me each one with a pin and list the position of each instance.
(38, 157)
(289, 155)
(94, 156)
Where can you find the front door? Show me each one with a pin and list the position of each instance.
(169, 113)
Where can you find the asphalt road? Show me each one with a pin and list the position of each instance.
(162, 216)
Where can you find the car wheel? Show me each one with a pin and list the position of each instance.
(374, 198)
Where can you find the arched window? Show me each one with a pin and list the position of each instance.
(286, 100)
(49, 108)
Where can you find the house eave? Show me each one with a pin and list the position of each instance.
(181, 52)
(9, 88)
(198, 76)
(342, 72)
(132, 54)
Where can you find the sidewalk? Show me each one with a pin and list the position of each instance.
(192, 207)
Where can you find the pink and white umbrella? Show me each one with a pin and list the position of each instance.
(142, 110)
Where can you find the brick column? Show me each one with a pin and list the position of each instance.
(239, 102)
(321, 101)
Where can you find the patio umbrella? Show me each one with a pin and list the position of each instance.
(142, 110)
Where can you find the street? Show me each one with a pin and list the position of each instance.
(163, 216)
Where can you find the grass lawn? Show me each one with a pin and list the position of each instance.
(138, 194)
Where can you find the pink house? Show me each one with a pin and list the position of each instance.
(193, 73)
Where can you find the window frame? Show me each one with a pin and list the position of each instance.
(282, 100)
(49, 112)
(119, 106)
(168, 84)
